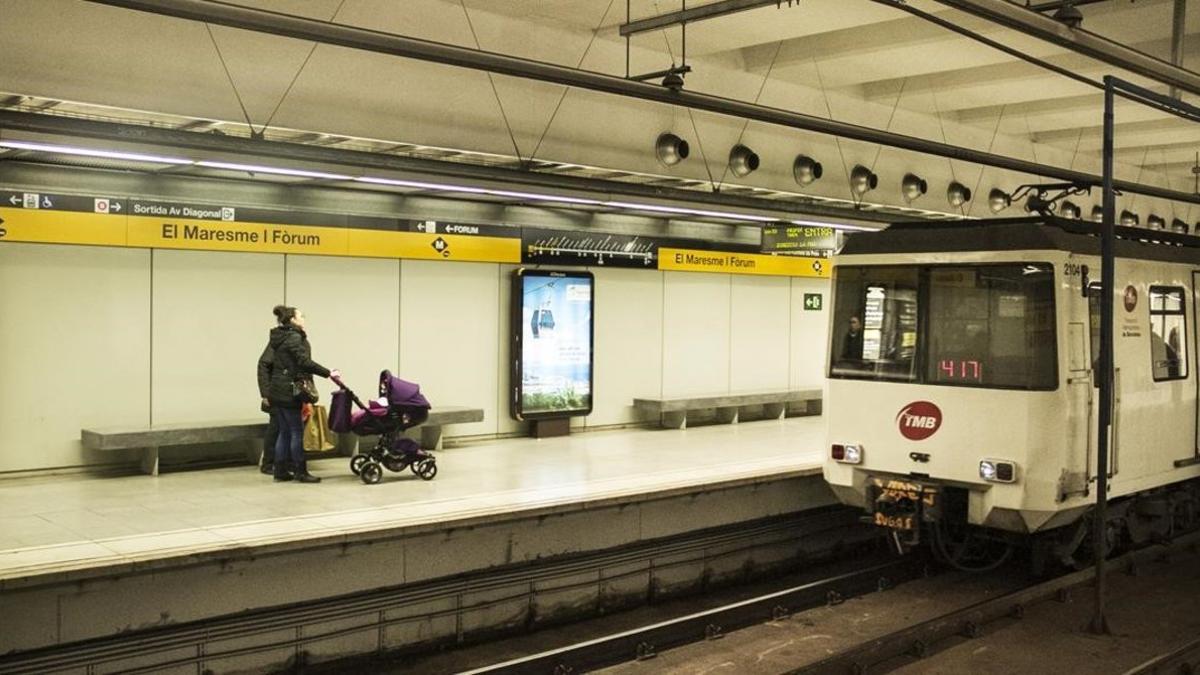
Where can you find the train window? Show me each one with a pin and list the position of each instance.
(977, 325)
(1168, 339)
(992, 326)
(875, 323)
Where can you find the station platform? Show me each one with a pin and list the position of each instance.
(83, 558)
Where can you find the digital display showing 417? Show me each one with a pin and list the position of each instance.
(960, 370)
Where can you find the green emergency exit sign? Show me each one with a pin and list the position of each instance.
(812, 302)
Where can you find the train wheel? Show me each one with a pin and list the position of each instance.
(965, 548)
(427, 469)
(372, 473)
(356, 463)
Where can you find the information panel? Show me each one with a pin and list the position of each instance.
(807, 240)
(552, 326)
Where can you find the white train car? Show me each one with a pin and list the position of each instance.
(962, 395)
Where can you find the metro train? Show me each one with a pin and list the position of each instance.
(962, 394)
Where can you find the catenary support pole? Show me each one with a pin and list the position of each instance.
(1178, 30)
(1099, 623)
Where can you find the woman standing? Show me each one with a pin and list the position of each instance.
(293, 366)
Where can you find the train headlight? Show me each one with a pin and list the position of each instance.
(998, 471)
(847, 453)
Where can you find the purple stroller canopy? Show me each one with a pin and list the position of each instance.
(401, 392)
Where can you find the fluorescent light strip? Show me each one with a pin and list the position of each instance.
(253, 168)
(692, 212)
(419, 185)
(88, 152)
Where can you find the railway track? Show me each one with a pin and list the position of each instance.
(646, 641)
(1182, 661)
(921, 640)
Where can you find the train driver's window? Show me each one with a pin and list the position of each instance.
(1168, 334)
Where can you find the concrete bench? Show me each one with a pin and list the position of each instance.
(151, 439)
(672, 412)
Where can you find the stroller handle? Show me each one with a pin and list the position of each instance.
(353, 397)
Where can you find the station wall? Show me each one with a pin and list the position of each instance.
(94, 336)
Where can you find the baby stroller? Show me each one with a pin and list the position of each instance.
(400, 407)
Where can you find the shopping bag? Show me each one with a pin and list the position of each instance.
(317, 436)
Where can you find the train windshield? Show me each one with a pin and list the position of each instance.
(964, 325)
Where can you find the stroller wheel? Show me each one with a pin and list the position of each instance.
(357, 462)
(427, 469)
(395, 464)
(372, 473)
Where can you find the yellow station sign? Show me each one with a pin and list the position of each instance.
(688, 260)
(110, 229)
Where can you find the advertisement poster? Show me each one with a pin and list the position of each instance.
(552, 314)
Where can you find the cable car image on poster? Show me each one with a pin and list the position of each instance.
(552, 343)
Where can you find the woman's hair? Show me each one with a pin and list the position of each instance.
(284, 314)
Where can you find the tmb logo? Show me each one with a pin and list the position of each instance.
(919, 420)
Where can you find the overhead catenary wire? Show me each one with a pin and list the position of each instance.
(311, 51)
(229, 76)
(492, 81)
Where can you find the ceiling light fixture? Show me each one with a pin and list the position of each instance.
(806, 170)
(1098, 214)
(998, 200)
(275, 170)
(670, 149)
(862, 180)
(1069, 15)
(1069, 209)
(957, 193)
(1179, 225)
(742, 161)
(1156, 222)
(913, 186)
(89, 152)
(1129, 219)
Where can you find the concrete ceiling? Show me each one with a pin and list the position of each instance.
(855, 60)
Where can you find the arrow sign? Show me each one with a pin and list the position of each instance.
(115, 207)
(14, 200)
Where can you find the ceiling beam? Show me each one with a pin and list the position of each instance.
(312, 30)
(1027, 21)
(709, 11)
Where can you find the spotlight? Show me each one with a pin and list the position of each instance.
(670, 149)
(1038, 204)
(862, 180)
(998, 200)
(1070, 209)
(913, 186)
(958, 194)
(742, 161)
(1156, 222)
(806, 170)
(1178, 225)
(1129, 219)
(1069, 15)
(1098, 214)
(673, 81)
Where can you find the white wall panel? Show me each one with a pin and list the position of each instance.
(629, 328)
(760, 324)
(211, 318)
(810, 333)
(74, 350)
(696, 317)
(448, 335)
(352, 306)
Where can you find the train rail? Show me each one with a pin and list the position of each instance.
(921, 640)
(646, 641)
(1185, 659)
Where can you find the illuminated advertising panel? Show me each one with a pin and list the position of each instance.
(552, 327)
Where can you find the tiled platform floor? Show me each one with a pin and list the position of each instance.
(74, 523)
